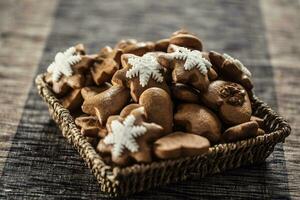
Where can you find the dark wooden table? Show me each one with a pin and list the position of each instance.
(37, 163)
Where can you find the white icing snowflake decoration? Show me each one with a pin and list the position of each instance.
(123, 135)
(63, 62)
(144, 67)
(193, 58)
(238, 63)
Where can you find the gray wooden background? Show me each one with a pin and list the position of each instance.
(35, 160)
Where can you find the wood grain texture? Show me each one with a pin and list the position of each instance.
(283, 34)
(41, 164)
(24, 27)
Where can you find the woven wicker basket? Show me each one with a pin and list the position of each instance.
(115, 181)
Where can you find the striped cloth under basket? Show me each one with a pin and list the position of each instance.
(115, 181)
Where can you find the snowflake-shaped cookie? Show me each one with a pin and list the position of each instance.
(193, 58)
(123, 135)
(63, 63)
(144, 67)
(238, 64)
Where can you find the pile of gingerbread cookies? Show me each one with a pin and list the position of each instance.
(146, 101)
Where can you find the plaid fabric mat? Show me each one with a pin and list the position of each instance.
(35, 160)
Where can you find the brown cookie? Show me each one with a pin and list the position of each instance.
(230, 100)
(89, 80)
(59, 88)
(65, 84)
(67, 64)
(127, 109)
(85, 63)
(185, 39)
(187, 66)
(185, 93)
(198, 120)
(105, 52)
(130, 138)
(216, 60)
(231, 69)
(73, 100)
(80, 48)
(104, 104)
(139, 49)
(103, 69)
(140, 73)
(162, 45)
(122, 44)
(180, 144)
(211, 72)
(159, 107)
(260, 132)
(91, 91)
(259, 121)
(90, 126)
(242, 131)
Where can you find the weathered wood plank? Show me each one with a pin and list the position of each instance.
(24, 27)
(283, 33)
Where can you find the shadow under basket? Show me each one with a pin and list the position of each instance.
(116, 181)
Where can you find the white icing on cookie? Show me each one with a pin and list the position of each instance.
(193, 58)
(63, 63)
(123, 135)
(238, 63)
(144, 67)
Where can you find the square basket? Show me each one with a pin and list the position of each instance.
(116, 181)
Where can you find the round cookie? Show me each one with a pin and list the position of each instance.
(230, 100)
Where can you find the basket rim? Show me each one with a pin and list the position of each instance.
(281, 131)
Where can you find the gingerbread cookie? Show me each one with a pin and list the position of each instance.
(159, 107)
(185, 93)
(88, 92)
(162, 45)
(104, 68)
(231, 69)
(139, 49)
(230, 100)
(127, 109)
(109, 102)
(140, 73)
(199, 120)
(67, 70)
(242, 131)
(180, 144)
(130, 138)
(188, 67)
(259, 121)
(186, 39)
(90, 126)
(122, 44)
(73, 100)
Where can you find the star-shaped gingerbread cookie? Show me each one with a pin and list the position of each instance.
(68, 70)
(140, 73)
(188, 66)
(130, 138)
